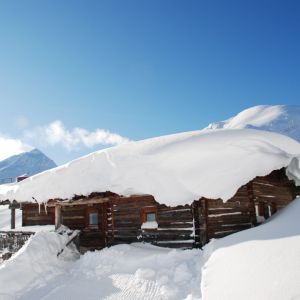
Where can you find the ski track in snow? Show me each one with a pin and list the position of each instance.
(131, 272)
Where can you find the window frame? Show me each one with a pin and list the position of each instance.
(92, 210)
(148, 210)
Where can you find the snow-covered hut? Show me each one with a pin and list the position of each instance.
(177, 191)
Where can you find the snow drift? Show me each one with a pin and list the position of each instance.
(175, 169)
(259, 263)
(284, 119)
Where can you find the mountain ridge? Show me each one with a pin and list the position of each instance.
(29, 163)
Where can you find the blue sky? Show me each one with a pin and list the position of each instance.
(140, 68)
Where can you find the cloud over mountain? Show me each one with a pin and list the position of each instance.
(10, 146)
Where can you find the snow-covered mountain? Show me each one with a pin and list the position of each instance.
(283, 119)
(29, 163)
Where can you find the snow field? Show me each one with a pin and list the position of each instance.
(134, 272)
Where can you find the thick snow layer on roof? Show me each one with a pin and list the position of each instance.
(175, 169)
(259, 263)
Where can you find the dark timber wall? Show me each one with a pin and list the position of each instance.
(77, 217)
(252, 203)
(175, 224)
(34, 214)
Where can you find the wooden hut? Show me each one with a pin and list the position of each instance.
(106, 219)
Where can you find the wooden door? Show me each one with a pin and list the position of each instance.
(94, 234)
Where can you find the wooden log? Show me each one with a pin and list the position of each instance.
(57, 216)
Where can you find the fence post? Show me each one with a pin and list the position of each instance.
(12, 217)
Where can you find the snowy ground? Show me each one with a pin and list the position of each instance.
(261, 263)
(136, 271)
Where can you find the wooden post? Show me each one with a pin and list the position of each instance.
(57, 216)
(12, 218)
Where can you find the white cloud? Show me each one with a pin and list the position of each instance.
(9, 147)
(55, 133)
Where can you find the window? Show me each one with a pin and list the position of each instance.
(148, 214)
(93, 218)
(150, 217)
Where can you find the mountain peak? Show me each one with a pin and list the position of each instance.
(284, 119)
(30, 163)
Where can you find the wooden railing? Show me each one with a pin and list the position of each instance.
(7, 180)
(12, 241)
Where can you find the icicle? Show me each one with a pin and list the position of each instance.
(45, 206)
(39, 207)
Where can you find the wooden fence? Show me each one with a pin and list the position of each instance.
(12, 241)
(7, 180)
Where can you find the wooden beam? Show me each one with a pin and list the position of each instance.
(57, 216)
(12, 218)
(78, 202)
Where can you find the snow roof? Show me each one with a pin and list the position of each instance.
(175, 169)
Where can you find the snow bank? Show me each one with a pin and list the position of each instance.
(175, 169)
(136, 272)
(34, 264)
(259, 263)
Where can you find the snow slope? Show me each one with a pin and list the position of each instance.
(175, 169)
(283, 119)
(260, 263)
(35, 264)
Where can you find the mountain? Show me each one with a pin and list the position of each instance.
(283, 119)
(29, 163)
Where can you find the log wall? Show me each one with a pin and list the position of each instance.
(34, 214)
(252, 204)
(77, 217)
(175, 224)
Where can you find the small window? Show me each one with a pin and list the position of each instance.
(148, 214)
(150, 217)
(93, 218)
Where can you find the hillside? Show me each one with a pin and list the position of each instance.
(175, 169)
(29, 163)
(283, 119)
